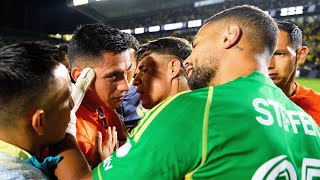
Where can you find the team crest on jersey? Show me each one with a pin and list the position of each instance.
(281, 167)
(276, 167)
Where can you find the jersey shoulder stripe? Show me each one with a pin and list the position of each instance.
(204, 133)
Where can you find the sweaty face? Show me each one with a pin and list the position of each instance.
(110, 84)
(283, 62)
(203, 63)
(57, 114)
(152, 80)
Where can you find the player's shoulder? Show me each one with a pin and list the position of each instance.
(194, 95)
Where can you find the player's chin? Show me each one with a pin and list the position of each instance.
(277, 81)
(114, 104)
(147, 104)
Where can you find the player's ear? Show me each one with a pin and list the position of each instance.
(232, 36)
(302, 53)
(75, 72)
(37, 121)
(174, 68)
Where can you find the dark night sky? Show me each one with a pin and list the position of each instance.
(40, 16)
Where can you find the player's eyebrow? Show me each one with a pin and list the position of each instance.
(129, 67)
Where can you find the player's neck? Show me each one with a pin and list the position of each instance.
(178, 85)
(24, 141)
(89, 105)
(289, 89)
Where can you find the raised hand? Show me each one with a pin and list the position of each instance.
(103, 150)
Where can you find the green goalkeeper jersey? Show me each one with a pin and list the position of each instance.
(244, 129)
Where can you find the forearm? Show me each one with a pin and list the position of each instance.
(73, 165)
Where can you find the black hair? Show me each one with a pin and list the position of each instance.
(131, 41)
(293, 31)
(64, 48)
(26, 72)
(174, 46)
(178, 47)
(89, 42)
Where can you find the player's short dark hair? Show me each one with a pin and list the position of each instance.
(131, 41)
(89, 42)
(294, 32)
(260, 28)
(26, 73)
(178, 47)
(64, 48)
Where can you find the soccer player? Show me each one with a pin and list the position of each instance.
(105, 50)
(35, 98)
(235, 123)
(283, 65)
(160, 72)
(128, 106)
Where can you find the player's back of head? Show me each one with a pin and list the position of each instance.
(26, 73)
(259, 29)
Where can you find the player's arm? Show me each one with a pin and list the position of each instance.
(74, 164)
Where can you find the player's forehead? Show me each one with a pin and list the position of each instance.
(201, 35)
(148, 60)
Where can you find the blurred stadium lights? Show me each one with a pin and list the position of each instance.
(126, 31)
(154, 28)
(194, 23)
(173, 26)
(139, 30)
(311, 8)
(56, 36)
(289, 11)
(206, 2)
(79, 2)
(272, 13)
(66, 37)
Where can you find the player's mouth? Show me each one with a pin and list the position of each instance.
(120, 98)
(273, 75)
